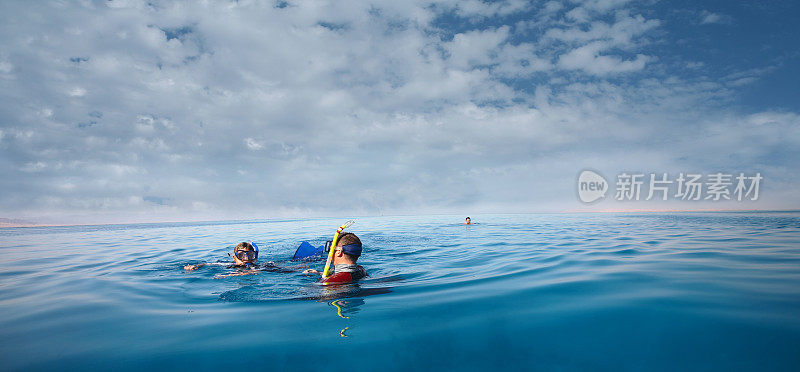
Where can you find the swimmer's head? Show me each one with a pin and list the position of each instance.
(348, 249)
(469, 221)
(245, 253)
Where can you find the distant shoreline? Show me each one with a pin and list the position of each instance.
(16, 222)
(5, 222)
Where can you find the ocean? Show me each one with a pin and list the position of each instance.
(594, 291)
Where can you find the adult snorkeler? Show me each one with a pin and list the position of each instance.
(345, 256)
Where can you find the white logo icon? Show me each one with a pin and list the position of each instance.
(591, 186)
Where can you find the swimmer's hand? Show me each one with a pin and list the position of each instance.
(193, 267)
(311, 271)
(220, 276)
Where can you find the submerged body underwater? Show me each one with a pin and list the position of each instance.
(547, 291)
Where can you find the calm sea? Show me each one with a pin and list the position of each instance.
(682, 291)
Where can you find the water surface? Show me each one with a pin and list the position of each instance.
(688, 291)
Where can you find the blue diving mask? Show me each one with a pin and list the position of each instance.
(351, 249)
(247, 256)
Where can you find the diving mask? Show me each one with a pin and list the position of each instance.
(247, 256)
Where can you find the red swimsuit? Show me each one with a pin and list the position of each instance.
(348, 274)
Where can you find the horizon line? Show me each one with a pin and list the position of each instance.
(33, 224)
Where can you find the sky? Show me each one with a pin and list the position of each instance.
(148, 111)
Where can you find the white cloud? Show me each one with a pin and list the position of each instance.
(520, 60)
(603, 5)
(77, 92)
(592, 49)
(587, 9)
(589, 59)
(478, 8)
(619, 34)
(707, 17)
(553, 6)
(33, 167)
(578, 14)
(6, 67)
(475, 47)
(253, 144)
(743, 81)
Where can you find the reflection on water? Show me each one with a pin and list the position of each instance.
(254, 290)
(347, 307)
(671, 291)
(344, 308)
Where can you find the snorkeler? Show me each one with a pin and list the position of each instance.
(346, 253)
(245, 256)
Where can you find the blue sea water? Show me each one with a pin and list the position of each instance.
(677, 291)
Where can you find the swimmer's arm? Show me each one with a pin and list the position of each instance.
(251, 272)
(273, 267)
(193, 267)
(197, 266)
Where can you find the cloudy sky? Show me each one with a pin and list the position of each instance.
(115, 111)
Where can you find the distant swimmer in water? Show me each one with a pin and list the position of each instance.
(245, 257)
(345, 269)
(468, 222)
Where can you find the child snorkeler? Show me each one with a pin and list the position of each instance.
(245, 257)
(345, 255)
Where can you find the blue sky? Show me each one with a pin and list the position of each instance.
(117, 111)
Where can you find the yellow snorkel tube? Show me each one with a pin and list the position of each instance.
(327, 272)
